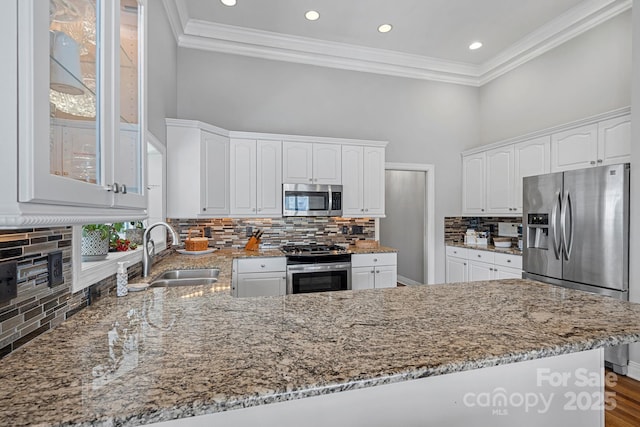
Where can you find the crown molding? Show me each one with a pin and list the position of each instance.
(214, 37)
(572, 23)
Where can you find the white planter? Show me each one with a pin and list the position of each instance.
(94, 247)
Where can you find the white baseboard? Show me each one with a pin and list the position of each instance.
(407, 281)
(634, 370)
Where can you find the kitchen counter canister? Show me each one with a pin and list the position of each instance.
(169, 353)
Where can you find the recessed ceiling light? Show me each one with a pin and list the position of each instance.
(385, 28)
(228, 2)
(475, 45)
(312, 15)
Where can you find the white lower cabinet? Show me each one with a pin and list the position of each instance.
(373, 271)
(258, 277)
(471, 265)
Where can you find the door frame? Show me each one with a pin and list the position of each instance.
(429, 220)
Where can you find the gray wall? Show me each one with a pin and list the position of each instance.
(587, 75)
(162, 66)
(634, 239)
(424, 122)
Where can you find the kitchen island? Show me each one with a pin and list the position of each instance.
(170, 353)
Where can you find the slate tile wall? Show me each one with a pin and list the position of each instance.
(456, 227)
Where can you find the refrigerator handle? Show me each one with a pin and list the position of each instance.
(569, 209)
(566, 243)
(554, 220)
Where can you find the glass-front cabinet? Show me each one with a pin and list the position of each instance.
(81, 98)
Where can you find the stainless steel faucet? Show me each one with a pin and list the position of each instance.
(147, 257)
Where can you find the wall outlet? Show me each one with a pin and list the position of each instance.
(54, 264)
(249, 231)
(345, 229)
(8, 280)
(207, 232)
(357, 229)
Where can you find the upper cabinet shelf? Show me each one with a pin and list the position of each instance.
(81, 116)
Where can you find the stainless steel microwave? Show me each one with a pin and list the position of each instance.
(311, 200)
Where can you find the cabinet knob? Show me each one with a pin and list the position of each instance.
(310, 179)
(482, 210)
(373, 272)
(508, 260)
(262, 265)
(599, 160)
(204, 209)
(259, 209)
(123, 189)
(361, 210)
(113, 187)
(375, 260)
(593, 162)
(378, 271)
(479, 256)
(366, 210)
(316, 180)
(464, 263)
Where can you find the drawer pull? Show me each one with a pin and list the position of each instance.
(479, 256)
(375, 260)
(508, 260)
(262, 265)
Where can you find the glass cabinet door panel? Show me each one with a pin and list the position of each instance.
(129, 156)
(73, 94)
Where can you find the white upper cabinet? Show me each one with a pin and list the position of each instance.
(198, 177)
(531, 158)
(614, 141)
(492, 176)
(311, 163)
(363, 181)
(81, 116)
(604, 143)
(575, 148)
(473, 184)
(256, 178)
(500, 180)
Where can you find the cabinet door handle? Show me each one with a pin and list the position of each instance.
(593, 162)
(366, 210)
(479, 256)
(508, 260)
(378, 271)
(375, 260)
(482, 210)
(361, 210)
(310, 179)
(262, 265)
(113, 187)
(123, 189)
(373, 272)
(464, 263)
(599, 160)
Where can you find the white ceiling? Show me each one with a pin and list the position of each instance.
(429, 40)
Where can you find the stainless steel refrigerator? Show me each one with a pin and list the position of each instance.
(576, 234)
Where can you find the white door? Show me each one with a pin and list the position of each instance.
(297, 162)
(574, 149)
(261, 285)
(374, 176)
(352, 180)
(456, 270)
(531, 158)
(499, 197)
(614, 141)
(269, 176)
(362, 278)
(480, 271)
(473, 184)
(386, 276)
(215, 166)
(506, 273)
(327, 164)
(243, 177)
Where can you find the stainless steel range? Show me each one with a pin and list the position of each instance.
(317, 268)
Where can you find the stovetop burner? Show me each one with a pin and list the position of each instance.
(313, 249)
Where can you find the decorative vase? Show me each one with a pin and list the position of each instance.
(94, 247)
(134, 235)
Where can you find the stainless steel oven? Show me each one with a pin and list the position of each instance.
(311, 268)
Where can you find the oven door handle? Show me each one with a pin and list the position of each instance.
(317, 267)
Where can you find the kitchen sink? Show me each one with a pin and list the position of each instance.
(193, 281)
(200, 273)
(190, 277)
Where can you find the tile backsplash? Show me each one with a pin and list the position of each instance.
(37, 306)
(456, 227)
(232, 232)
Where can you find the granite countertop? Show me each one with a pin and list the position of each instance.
(167, 353)
(380, 249)
(491, 248)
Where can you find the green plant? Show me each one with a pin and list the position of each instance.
(104, 230)
(137, 224)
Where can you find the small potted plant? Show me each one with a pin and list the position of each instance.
(95, 241)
